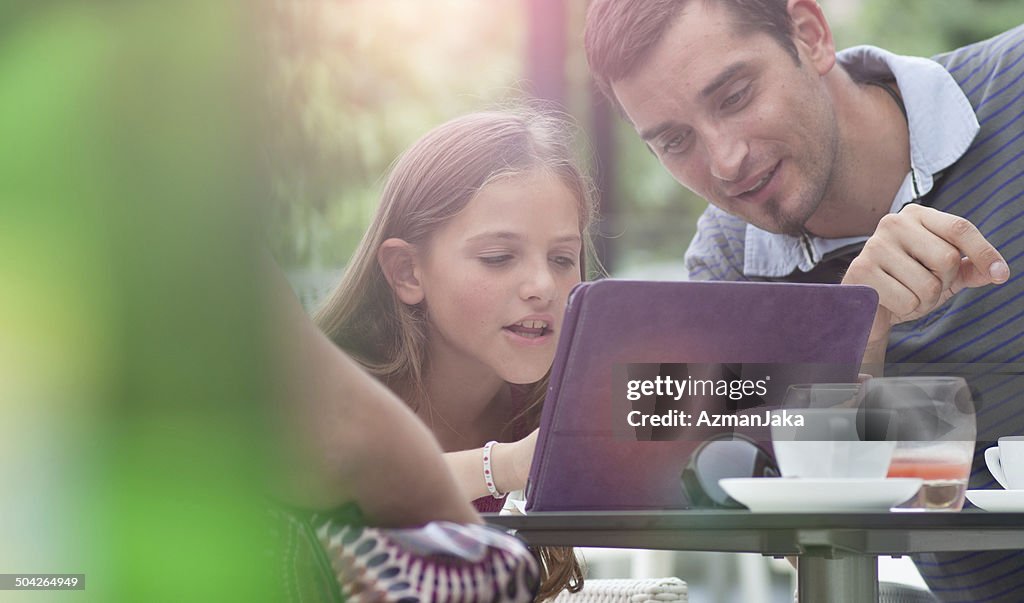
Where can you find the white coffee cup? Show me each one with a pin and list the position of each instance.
(827, 445)
(1006, 462)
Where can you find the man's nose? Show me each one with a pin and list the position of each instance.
(725, 156)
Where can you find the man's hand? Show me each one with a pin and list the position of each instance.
(919, 258)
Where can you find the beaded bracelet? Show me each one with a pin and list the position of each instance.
(488, 474)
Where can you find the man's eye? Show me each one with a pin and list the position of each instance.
(734, 99)
(674, 143)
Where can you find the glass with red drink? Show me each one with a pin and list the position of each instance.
(935, 429)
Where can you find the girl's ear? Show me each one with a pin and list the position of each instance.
(398, 262)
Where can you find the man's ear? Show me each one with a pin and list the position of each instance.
(812, 34)
(398, 261)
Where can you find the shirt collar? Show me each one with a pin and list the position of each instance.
(931, 96)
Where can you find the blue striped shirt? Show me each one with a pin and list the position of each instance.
(975, 171)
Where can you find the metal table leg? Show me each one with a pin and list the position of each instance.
(847, 579)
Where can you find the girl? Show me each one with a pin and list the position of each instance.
(456, 293)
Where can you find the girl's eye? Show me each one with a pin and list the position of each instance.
(495, 260)
(564, 261)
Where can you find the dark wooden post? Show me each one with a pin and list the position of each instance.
(602, 136)
(546, 60)
(547, 25)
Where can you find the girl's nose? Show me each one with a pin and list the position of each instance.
(539, 284)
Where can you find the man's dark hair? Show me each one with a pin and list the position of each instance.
(621, 33)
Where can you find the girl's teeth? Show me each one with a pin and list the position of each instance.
(530, 328)
(532, 324)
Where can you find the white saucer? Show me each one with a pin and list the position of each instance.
(806, 495)
(997, 500)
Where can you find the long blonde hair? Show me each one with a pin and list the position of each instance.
(429, 184)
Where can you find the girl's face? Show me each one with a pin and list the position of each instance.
(496, 278)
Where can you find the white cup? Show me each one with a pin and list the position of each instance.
(1006, 462)
(827, 445)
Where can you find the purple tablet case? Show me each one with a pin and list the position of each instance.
(809, 332)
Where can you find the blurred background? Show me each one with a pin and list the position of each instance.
(148, 150)
(355, 82)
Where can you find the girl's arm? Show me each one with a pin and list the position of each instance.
(510, 465)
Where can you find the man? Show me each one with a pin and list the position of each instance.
(865, 167)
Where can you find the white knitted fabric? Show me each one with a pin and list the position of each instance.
(627, 591)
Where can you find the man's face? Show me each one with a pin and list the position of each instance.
(733, 118)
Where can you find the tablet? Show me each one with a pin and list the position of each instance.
(614, 433)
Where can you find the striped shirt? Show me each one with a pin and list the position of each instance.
(975, 172)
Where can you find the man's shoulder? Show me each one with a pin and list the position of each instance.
(717, 249)
(982, 52)
(988, 73)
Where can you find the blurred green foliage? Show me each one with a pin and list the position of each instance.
(133, 360)
(355, 82)
(352, 84)
(927, 27)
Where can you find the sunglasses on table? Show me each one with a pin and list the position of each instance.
(723, 456)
